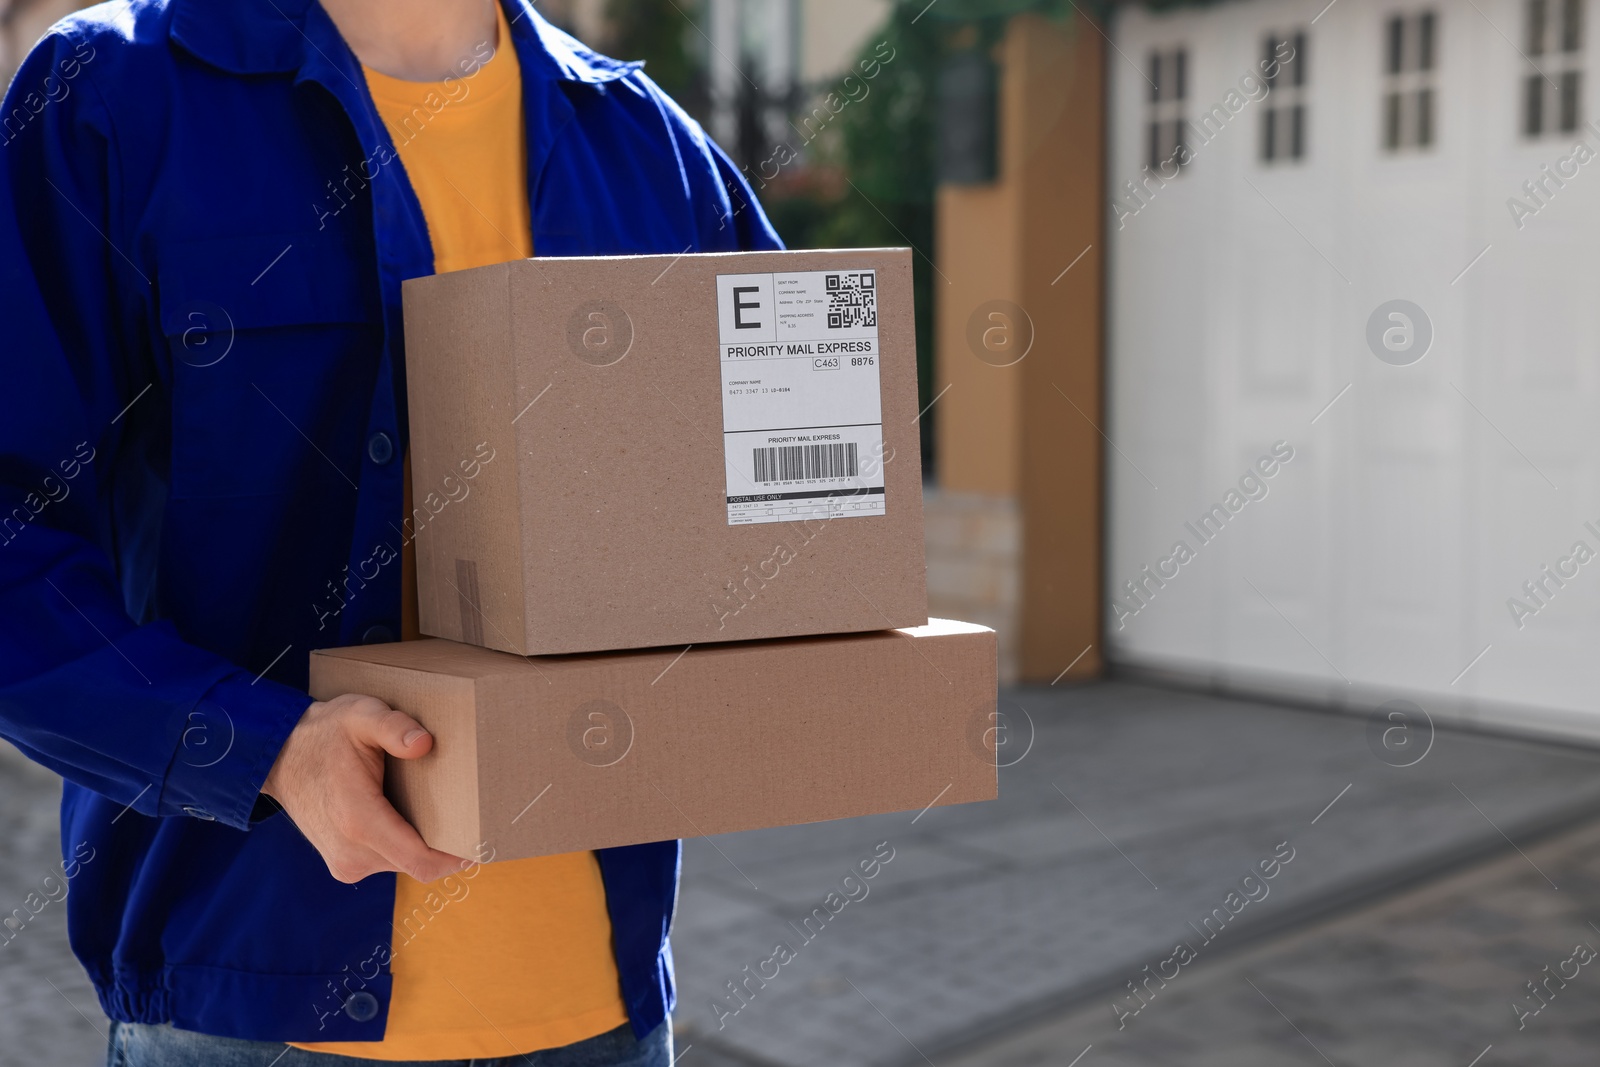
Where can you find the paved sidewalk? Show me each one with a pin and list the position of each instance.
(51, 1014)
(1136, 813)
(1425, 979)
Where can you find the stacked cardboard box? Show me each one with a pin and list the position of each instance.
(669, 538)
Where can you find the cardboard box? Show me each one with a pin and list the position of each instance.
(559, 754)
(636, 451)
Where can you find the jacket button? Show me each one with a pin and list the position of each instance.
(362, 1007)
(380, 448)
(377, 635)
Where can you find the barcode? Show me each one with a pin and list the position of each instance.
(852, 299)
(801, 462)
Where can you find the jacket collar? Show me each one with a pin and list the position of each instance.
(281, 36)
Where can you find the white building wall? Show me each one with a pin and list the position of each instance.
(1380, 564)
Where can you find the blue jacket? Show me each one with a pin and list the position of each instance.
(203, 231)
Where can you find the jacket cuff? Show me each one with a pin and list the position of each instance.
(227, 747)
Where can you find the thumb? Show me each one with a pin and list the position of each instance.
(397, 733)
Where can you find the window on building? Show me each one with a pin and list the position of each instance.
(1283, 121)
(1167, 128)
(1553, 43)
(1410, 66)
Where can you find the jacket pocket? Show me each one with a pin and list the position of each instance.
(265, 281)
(274, 346)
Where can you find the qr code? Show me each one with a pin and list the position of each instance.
(852, 300)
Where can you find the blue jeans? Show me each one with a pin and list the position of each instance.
(143, 1045)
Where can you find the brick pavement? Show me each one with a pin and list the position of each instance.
(1424, 979)
(50, 1013)
(1136, 813)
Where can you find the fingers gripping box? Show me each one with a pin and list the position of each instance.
(550, 754)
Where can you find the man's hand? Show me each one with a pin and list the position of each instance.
(329, 779)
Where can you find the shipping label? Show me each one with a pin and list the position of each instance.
(802, 418)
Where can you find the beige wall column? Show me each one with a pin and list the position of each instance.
(1014, 530)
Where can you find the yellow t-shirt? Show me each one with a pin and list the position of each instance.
(516, 956)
